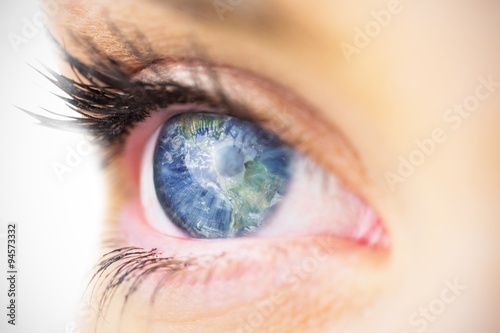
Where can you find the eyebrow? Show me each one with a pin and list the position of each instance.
(255, 14)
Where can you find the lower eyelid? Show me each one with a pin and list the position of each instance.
(134, 229)
(229, 277)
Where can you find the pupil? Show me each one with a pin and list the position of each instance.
(230, 161)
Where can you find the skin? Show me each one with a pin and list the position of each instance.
(442, 219)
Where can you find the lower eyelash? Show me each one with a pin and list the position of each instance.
(132, 266)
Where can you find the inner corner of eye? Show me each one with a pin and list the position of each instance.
(216, 176)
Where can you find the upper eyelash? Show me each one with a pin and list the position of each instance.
(109, 103)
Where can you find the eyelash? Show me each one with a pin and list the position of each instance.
(133, 265)
(110, 103)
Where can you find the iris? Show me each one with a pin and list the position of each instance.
(218, 176)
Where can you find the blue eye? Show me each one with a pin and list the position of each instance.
(218, 176)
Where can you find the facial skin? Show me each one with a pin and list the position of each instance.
(388, 99)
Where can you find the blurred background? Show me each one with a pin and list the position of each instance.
(50, 185)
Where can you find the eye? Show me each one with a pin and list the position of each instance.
(217, 176)
(209, 175)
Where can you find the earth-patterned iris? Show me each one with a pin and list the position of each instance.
(218, 176)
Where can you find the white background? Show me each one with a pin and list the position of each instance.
(58, 218)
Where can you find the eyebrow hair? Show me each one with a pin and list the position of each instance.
(256, 14)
